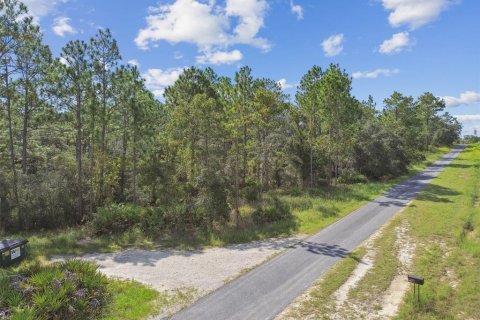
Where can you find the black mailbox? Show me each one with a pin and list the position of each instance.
(415, 279)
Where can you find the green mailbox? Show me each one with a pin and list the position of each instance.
(12, 251)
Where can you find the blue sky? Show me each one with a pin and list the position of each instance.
(411, 46)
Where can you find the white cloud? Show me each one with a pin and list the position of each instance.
(284, 84)
(61, 26)
(41, 8)
(134, 63)
(375, 73)
(297, 10)
(205, 24)
(396, 43)
(220, 57)
(414, 13)
(251, 14)
(468, 117)
(466, 98)
(157, 79)
(184, 21)
(332, 46)
(211, 27)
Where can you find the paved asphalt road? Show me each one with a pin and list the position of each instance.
(267, 290)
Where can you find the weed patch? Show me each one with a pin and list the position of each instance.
(69, 290)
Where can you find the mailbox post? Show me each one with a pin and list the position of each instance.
(417, 281)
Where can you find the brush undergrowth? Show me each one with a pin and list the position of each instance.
(68, 290)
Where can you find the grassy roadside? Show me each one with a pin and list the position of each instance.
(444, 222)
(134, 301)
(446, 226)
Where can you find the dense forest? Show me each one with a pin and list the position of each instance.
(81, 134)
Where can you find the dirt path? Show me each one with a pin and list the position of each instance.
(395, 292)
(202, 270)
(365, 264)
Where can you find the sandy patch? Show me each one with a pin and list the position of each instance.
(360, 271)
(203, 270)
(394, 294)
(450, 277)
(365, 264)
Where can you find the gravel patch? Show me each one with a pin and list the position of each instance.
(169, 269)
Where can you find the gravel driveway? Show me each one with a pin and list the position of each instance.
(169, 269)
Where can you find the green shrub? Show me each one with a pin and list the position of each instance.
(251, 190)
(270, 214)
(47, 201)
(381, 153)
(153, 221)
(150, 221)
(68, 290)
(180, 216)
(352, 176)
(117, 218)
(211, 201)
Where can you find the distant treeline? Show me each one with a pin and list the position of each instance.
(470, 139)
(81, 132)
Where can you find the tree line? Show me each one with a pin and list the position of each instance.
(81, 131)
